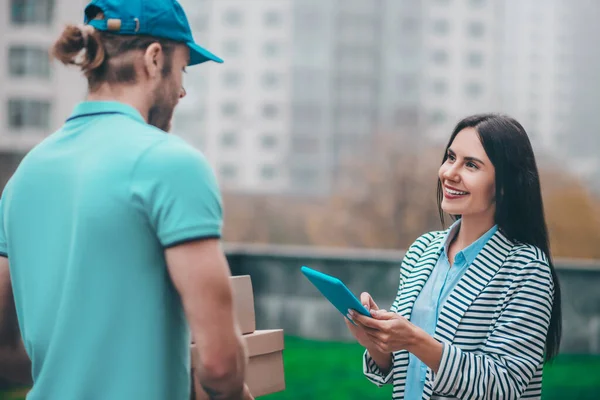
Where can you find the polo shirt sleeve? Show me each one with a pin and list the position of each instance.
(3, 244)
(174, 185)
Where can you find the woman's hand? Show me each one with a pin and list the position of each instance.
(357, 331)
(389, 332)
(368, 302)
(363, 334)
(359, 334)
(386, 331)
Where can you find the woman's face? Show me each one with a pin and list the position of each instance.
(468, 177)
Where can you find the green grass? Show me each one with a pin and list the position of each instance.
(333, 371)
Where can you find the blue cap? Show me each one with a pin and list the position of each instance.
(159, 18)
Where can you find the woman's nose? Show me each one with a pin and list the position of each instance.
(451, 173)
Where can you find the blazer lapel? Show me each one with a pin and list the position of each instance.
(475, 279)
(418, 276)
(411, 287)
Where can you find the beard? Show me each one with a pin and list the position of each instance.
(160, 113)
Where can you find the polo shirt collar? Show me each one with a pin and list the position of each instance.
(91, 108)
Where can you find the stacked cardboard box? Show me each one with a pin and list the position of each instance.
(264, 374)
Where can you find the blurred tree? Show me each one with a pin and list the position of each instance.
(572, 215)
(264, 219)
(383, 201)
(386, 200)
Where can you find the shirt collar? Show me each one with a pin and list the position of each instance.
(470, 252)
(91, 108)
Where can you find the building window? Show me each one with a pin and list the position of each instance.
(440, 57)
(409, 25)
(232, 17)
(441, 26)
(533, 96)
(27, 113)
(533, 116)
(232, 79)
(476, 29)
(474, 89)
(307, 20)
(271, 49)
(268, 172)
(29, 61)
(268, 141)
(305, 177)
(475, 59)
(229, 139)
(406, 116)
(305, 144)
(232, 48)
(228, 171)
(437, 117)
(407, 84)
(31, 11)
(272, 18)
(200, 23)
(307, 112)
(440, 87)
(229, 109)
(270, 111)
(270, 79)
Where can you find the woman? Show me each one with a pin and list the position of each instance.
(478, 308)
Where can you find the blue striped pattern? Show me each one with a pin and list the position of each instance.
(493, 326)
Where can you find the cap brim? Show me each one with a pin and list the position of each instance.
(199, 54)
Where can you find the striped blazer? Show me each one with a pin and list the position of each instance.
(493, 325)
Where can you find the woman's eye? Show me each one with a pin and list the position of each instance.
(471, 164)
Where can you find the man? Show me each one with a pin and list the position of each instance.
(110, 228)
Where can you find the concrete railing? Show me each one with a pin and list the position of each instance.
(285, 299)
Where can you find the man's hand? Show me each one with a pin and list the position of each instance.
(247, 394)
(200, 394)
(201, 275)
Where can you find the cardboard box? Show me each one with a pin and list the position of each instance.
(243, 299)
(264, 374)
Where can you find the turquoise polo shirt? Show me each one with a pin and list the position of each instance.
(430, 301)
(84, 222)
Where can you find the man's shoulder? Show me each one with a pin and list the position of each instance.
(171, 157)
(169, 149)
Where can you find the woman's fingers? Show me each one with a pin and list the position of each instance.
(368, 302)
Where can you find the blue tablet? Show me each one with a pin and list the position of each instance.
(335, 291)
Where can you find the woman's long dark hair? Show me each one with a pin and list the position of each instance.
(519, 206)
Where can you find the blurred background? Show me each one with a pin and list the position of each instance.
(326, 125)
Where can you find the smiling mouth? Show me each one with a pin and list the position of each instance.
(454, 193)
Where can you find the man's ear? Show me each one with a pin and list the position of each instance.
(154, 59)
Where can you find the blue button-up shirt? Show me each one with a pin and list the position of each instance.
(430, 301)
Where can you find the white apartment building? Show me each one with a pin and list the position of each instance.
(460, 62)
(238, 112)
(536, 79)
(35, 96)
(306, 83)
(344, 70)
